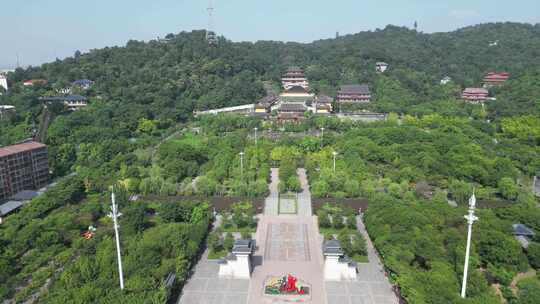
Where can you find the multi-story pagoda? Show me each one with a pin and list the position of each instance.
(294, 77)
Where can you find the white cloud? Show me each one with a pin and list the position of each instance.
(463, 13)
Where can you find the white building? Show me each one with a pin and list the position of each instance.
(238, 264)
(446, 80)
(337, 267)
(381, 67)
(3, 82)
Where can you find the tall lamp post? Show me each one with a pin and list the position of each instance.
(255, 136)
(322, 136)
(241, 163)
(334, 154)
(115, 214)
(471, 218)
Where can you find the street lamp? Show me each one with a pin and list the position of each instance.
(322, 136)
(115, 214)
(334, 154)
(255, 135)
(241, 163)
(470, 220)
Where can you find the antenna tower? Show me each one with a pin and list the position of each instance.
(210, 33)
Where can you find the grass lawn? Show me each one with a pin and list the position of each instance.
(217, 255)
(360, 258)
(240, 230)
(336, 231)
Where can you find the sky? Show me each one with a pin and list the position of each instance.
(41, 30)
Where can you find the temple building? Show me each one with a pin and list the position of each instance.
(23, 166)
(475, 95)
(264, 105)
(354, 94)
(495, 79)
(294, 77)
(291, 112)
(72, 102)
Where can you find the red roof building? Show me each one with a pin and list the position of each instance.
(475, 95)
(493, 79)
(32, 82)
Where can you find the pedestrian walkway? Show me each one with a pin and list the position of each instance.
(304, 197)
(205, 287)
(271, 202)
(371, 285)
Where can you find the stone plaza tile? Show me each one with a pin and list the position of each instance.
(380, 289)
(335, 288)
(362, 300)
(218, 285)
(338, 299)
(358, 288)
(239, 285)
(235, 299)
(195, 285)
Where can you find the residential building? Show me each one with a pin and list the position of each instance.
(354, 94)
(475, 95)
(73, 102)
(3, 82)
(23, 166)
(446, 80)
(495, 79)
(294, 77)
(6, 110)
(523, 234)
(381, 67)
(84, 84)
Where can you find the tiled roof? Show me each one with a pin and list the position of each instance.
(354, 89)
(9, 207)
(64, 98)
(475, 91)
(520, 229)
(24, 147)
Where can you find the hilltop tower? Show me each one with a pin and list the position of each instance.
(210, 33)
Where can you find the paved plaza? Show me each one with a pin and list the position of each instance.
(289, 244)
(205, 287)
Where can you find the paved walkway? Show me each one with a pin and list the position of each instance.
(371, 286)
(288, 244)
(271, 202)
(205, 287)
(304, 197)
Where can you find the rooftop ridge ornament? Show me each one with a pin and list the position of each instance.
(471, 218)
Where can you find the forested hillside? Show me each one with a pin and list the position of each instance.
(146, 91)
